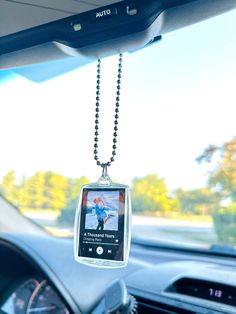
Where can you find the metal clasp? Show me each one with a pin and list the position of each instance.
(104, 179)
(104, 170)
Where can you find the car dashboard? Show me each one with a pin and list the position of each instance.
(39, 275)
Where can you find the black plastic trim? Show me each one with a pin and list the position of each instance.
(147, 297)
(62, 31)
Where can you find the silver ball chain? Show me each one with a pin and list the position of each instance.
(108, 163)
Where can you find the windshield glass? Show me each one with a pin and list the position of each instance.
(176, 139)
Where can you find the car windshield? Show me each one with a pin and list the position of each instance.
(176, 145)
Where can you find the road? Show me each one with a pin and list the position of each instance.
(160, 229)
(171, 230)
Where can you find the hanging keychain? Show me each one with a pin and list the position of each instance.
(102, 230)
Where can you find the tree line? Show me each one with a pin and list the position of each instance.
(43, 190)
(52, 191)
(49, 190)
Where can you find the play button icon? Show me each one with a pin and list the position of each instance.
(99, 250)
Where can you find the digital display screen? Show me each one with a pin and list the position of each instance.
(102, 224)
(207, 290)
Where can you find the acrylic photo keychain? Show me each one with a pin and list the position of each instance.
(102, 231)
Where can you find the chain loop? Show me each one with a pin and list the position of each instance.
(118, 87)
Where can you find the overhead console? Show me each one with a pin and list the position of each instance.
(123, 26)
(80, 34)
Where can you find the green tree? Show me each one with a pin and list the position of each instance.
(198, 201)
(150, 193)
(73, 191)
(31, 191)
(55, 188)
(223, 180)
(223, 177)
(8, 187)
(74, 187)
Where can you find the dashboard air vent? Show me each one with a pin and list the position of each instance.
(151, 307)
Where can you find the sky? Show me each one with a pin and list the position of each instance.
(178, 96)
